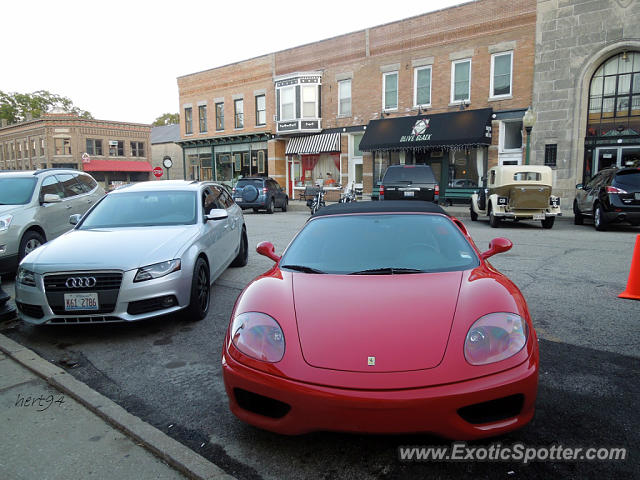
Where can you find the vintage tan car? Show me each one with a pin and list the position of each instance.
(517, 192)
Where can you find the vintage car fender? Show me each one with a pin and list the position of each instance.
(498, 210)
(474, 204)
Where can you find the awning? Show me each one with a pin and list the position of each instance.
(116, 166)
(309, 144)
(424, 132)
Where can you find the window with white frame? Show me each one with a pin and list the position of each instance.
(287, 103)
(309, 101)
(344, 98)
(461, 81)
(390, 91)
(239, 113)
(501, 74)
(422, 86)
(510, 138)
(261, 112)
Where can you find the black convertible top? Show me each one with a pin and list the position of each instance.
(388, 206)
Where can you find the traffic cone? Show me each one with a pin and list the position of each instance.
(633, 284)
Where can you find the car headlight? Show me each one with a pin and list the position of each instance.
(157, 270)
(26, 277)
(258, 336)
(5, 221)
(495, 337)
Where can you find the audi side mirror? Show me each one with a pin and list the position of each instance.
(580, 186)
(75, 218)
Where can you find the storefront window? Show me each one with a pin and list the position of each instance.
(465, 167)
(224, 168)
(380, 163)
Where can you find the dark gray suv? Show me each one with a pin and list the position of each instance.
(260, 193)
(409, 182)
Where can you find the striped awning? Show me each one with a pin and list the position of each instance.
(310, 144)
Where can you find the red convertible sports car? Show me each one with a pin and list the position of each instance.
(382, 317)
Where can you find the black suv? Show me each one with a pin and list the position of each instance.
(260, 193)
(613, 195)
(409, 182)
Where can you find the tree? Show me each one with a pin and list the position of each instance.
(14, 107)
(166, 119)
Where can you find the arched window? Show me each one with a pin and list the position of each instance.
(614, 96)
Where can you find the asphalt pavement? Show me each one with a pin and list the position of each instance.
(147, 401)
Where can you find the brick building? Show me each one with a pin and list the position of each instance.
(117, 152)
(448, 88)
(587, 89)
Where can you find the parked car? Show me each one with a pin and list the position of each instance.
(517, 192)
(143, 251)
(611, 196)
(35, 208)
(382, 317)
(409, 182)
(260, 193)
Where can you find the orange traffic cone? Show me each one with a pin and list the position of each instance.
(633, 284)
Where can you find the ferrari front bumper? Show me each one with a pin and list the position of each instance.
(290, 407)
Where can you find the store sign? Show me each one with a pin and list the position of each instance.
(286, 126)
(306, 125)
(418, 132)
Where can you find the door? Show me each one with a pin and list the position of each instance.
(295, 170)
(216, 237)
(53, 217)
(605, 158)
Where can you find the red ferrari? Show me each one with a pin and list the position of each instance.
(382, 317)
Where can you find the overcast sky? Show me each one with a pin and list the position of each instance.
(120, 59)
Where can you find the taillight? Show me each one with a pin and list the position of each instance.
(437, 189)
(381, 189)
(611, 189)
(264, 190)
(233, 190)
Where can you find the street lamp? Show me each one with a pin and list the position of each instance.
(529, 120)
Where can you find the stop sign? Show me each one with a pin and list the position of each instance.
(158, 172)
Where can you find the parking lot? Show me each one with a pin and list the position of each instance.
(168, 372)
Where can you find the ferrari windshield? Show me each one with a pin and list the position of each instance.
(379, 244)
(141, 209)
(16, 190)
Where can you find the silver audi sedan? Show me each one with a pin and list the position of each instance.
(143, 251)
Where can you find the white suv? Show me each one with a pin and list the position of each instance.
(35, 207)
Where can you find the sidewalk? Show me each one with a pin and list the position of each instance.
(53, 426)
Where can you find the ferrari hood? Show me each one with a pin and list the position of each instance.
(375, 323)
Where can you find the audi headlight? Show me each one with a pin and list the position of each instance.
(258, 336)
(26, 277)
(157, 270)
(5, 221)
(495, 337)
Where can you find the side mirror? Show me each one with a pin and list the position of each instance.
(268, 250)
(579, 186)
(75, 218)
(51, 198)
(497, 245)
(216, 214)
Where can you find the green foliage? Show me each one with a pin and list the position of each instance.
(15, 106)
(166, 119)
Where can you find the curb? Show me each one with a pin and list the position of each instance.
(180, 457)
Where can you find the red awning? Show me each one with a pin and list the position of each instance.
(116, 166)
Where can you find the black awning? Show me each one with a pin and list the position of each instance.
(423, 132)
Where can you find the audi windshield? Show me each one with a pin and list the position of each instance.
(143, 209)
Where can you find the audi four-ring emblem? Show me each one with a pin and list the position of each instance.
(80, 282)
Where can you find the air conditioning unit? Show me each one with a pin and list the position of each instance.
(113, 143)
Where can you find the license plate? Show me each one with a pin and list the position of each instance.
(637, 195)
(408, 194)
(80, 301)
(238, 199)
(538, 216)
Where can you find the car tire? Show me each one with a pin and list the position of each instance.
(243, 254)
(548, 222)
(578, 218)
(598, 219)
(271, 206)
(30, 241)
(285, 205)
(493, 220)
(200, 292)
(474, 215)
